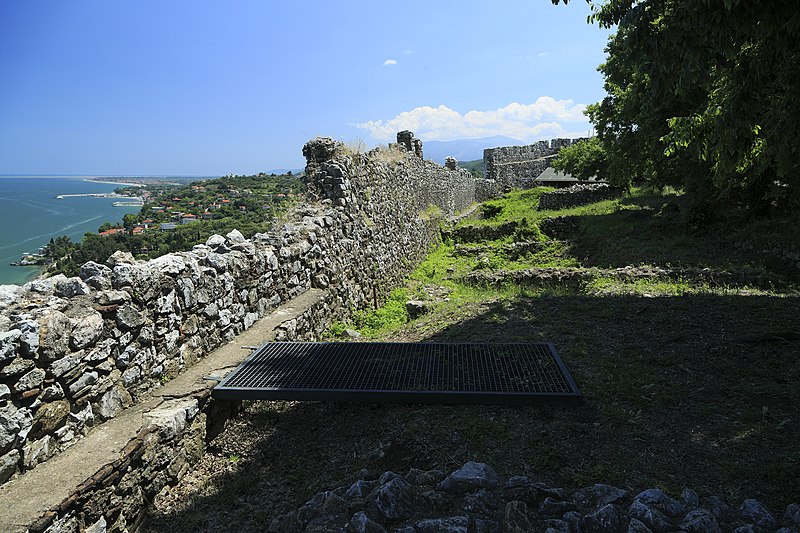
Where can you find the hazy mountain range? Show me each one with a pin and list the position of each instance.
(465, 149)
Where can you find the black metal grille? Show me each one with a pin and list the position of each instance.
(402, 372)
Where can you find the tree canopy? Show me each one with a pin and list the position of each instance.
(703, 95)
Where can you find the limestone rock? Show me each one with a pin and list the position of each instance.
(5, 392)
(169, 264)
(700, 521)
(8, 465)
(9, 343)
(323, 503)
(92, 270)
(756, 513)
(14, 423)
(360, 523)
(98, 527)
(394, 499)
(515, 518)
(86, 330)
(636, 526)
(171, 417)
(657, 498)
(472, 476)
(120, 258)
(453, 524)
(235, 237)
(603, 520)
(82, 384)
(111, 297)
(31, 380)
(792, 515)
(65, 364)
(37, 451)
(71, 287)
(29, 339)
(416, 308)
(113, 402)
(360, 489)
(54, 333)
(599, 495)
(650, 516)
(129, 317)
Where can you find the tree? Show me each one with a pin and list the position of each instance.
(704, 95)
(584, 159)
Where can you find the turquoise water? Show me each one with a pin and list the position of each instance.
(30, 215)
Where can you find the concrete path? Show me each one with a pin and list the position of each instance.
(26, 498)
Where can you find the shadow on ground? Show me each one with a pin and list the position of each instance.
(697, 391)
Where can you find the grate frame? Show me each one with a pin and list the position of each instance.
(385, 372)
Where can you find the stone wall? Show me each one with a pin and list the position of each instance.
(75, 352)
(518, 166)
(581, 194)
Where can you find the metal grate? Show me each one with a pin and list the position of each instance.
(402, 372)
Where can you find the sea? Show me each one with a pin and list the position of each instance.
(31, 214)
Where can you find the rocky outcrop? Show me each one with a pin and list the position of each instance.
(475, 499)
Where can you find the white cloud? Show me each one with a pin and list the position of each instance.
(407, 52)
(389, 62)
(545, 118)
(541, 54)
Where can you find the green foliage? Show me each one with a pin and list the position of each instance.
(584, 159)
(703, 95)
(246, 203)
(473, 167)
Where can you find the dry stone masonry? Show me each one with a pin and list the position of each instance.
(75, 352)
(519, 166)
(581, 194)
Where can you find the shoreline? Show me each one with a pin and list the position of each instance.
(115, 182)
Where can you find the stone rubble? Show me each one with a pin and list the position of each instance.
(475, 499)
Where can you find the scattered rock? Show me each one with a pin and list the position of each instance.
(649, 516)
(515, 518)
(700, 521)
(471, 476)
(416, 308)
(756, 513)
(360, 523)
(453, 524)
(394, 499)
(604, 520)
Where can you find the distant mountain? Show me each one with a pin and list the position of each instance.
(279, 171)
(465, 149)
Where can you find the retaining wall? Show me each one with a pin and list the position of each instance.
(75, 352)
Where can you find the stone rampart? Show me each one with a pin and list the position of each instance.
(519, 166)
(580, 194)
(75, 352)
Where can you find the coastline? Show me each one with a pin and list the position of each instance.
(115, 182)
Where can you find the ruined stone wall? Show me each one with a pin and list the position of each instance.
(75, 352)
(580, 194)
(518, 166)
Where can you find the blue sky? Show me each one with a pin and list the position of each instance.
(207, 88)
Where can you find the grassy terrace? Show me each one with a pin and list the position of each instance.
(686, 385)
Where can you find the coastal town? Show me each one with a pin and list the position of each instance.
(172, 215)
